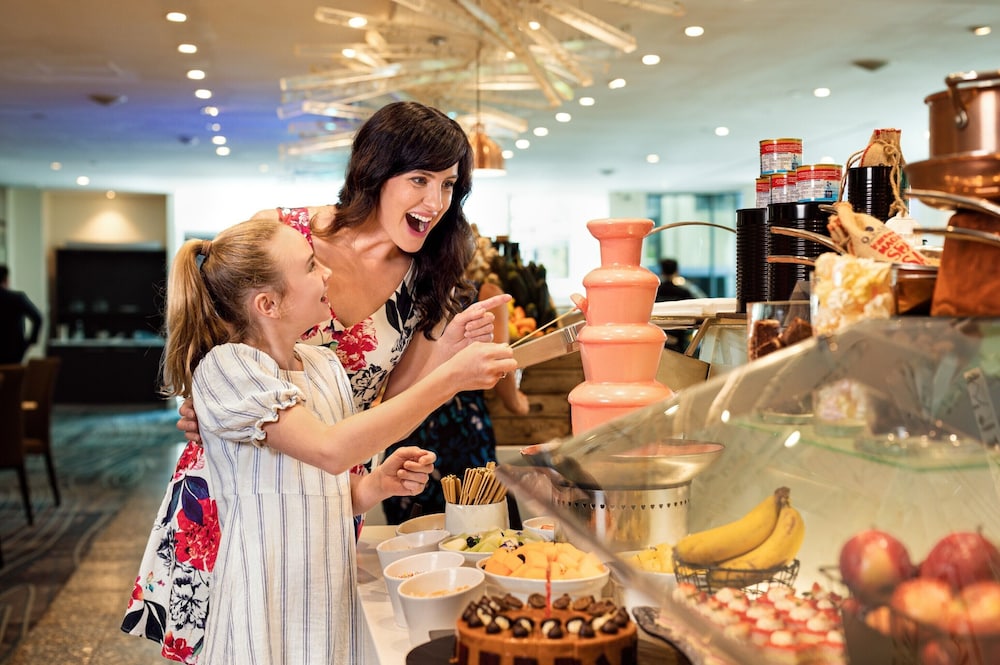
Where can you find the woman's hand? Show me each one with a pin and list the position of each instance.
(475, 324)
(406, 471)
(189, 421)
(479, 366)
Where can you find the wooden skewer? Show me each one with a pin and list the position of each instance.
(547, 325)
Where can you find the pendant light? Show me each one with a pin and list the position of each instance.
(488, 159)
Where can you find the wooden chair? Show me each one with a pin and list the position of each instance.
(12, 429)
(38, 394)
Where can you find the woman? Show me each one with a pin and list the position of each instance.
(399, 242)
(280, 432)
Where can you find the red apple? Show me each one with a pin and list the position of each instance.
(979, 612)
(962, 558)
(926, 600)
(872, 564)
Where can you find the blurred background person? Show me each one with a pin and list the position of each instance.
(673, 286)
(17, 309)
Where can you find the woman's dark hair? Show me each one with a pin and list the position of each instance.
(399, 138)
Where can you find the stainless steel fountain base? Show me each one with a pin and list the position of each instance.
(629, 519)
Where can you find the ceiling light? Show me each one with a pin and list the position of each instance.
(263, 168)
(348, 53)
(211, 111)
(562, 116)
(219, 139)
(522, 144)
(56, 166)
(215, 127)
(650, 59)
(587, 101)
(508, 154)
(222, 151)
(821, 92)
(202, 93)
(187, 48)
(110, 194)
(540, 131)
(653, 159)
(487, 156)
(694, 31)
(615, 84)
(827, 159)
(981, 30)
(357, 22)
(83, 181)
(196, 74)
(722, 131)
(534, 25)
(176, 17)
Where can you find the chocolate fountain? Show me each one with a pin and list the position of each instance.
(639, 497)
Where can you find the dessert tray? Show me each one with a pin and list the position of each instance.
(677, 636)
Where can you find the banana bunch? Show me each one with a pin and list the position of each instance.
(748, 550)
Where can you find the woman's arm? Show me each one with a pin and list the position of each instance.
(336, 448)
(506, 388)
(422, 355)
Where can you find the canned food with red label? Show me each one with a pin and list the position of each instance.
(779, 187)
(763, 191)
(780, 155)
(818, 182)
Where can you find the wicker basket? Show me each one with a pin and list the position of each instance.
(756, 582)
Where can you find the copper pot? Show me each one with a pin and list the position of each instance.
(965, 118)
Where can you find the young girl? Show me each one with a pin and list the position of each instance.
(279, 437)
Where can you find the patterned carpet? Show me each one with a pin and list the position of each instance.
(101, 456)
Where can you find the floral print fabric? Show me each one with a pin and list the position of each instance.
(170, 598)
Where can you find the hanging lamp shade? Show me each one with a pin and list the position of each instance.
(487, 158)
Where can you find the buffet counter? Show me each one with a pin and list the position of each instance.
(391, 644)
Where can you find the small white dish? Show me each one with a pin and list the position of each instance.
(422, 523)
(398, 547)
(434, 600)
(403, 569)
(543, 527)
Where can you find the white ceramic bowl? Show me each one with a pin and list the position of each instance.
(543, 527)
(647, 588)
(469, 558)
(411, 566)
(522, 587)
(472, 558)
(422, 523)
(398, 547)
(434, 600)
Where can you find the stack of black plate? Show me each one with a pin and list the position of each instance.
(751, 256)
(782, 277)
(869, 190)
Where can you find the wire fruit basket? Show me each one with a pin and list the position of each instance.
(755, 582)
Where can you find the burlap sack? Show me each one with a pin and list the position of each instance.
(968, 282)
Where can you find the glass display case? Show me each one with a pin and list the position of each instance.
(918, 456)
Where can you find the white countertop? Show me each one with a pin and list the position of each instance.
(391, 643)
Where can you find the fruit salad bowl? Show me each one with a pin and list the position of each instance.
(523, 587)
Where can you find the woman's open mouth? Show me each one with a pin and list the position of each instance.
(417, 223)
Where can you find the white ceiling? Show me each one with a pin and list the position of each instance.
(753, 71)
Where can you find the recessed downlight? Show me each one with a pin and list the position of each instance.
(196, 74)
(650, 59)
(83, 181)
(176, 17)
(722, 131)
(694, 31)
(219, 139)
(187, 48)
(587, 101)
(562, 116)
(653, 158)
(203, 93)
(821, 92)
(540, 131)
(522, 144)
(211, 111)
(616, 84)
(357, 22)
(222, 151)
